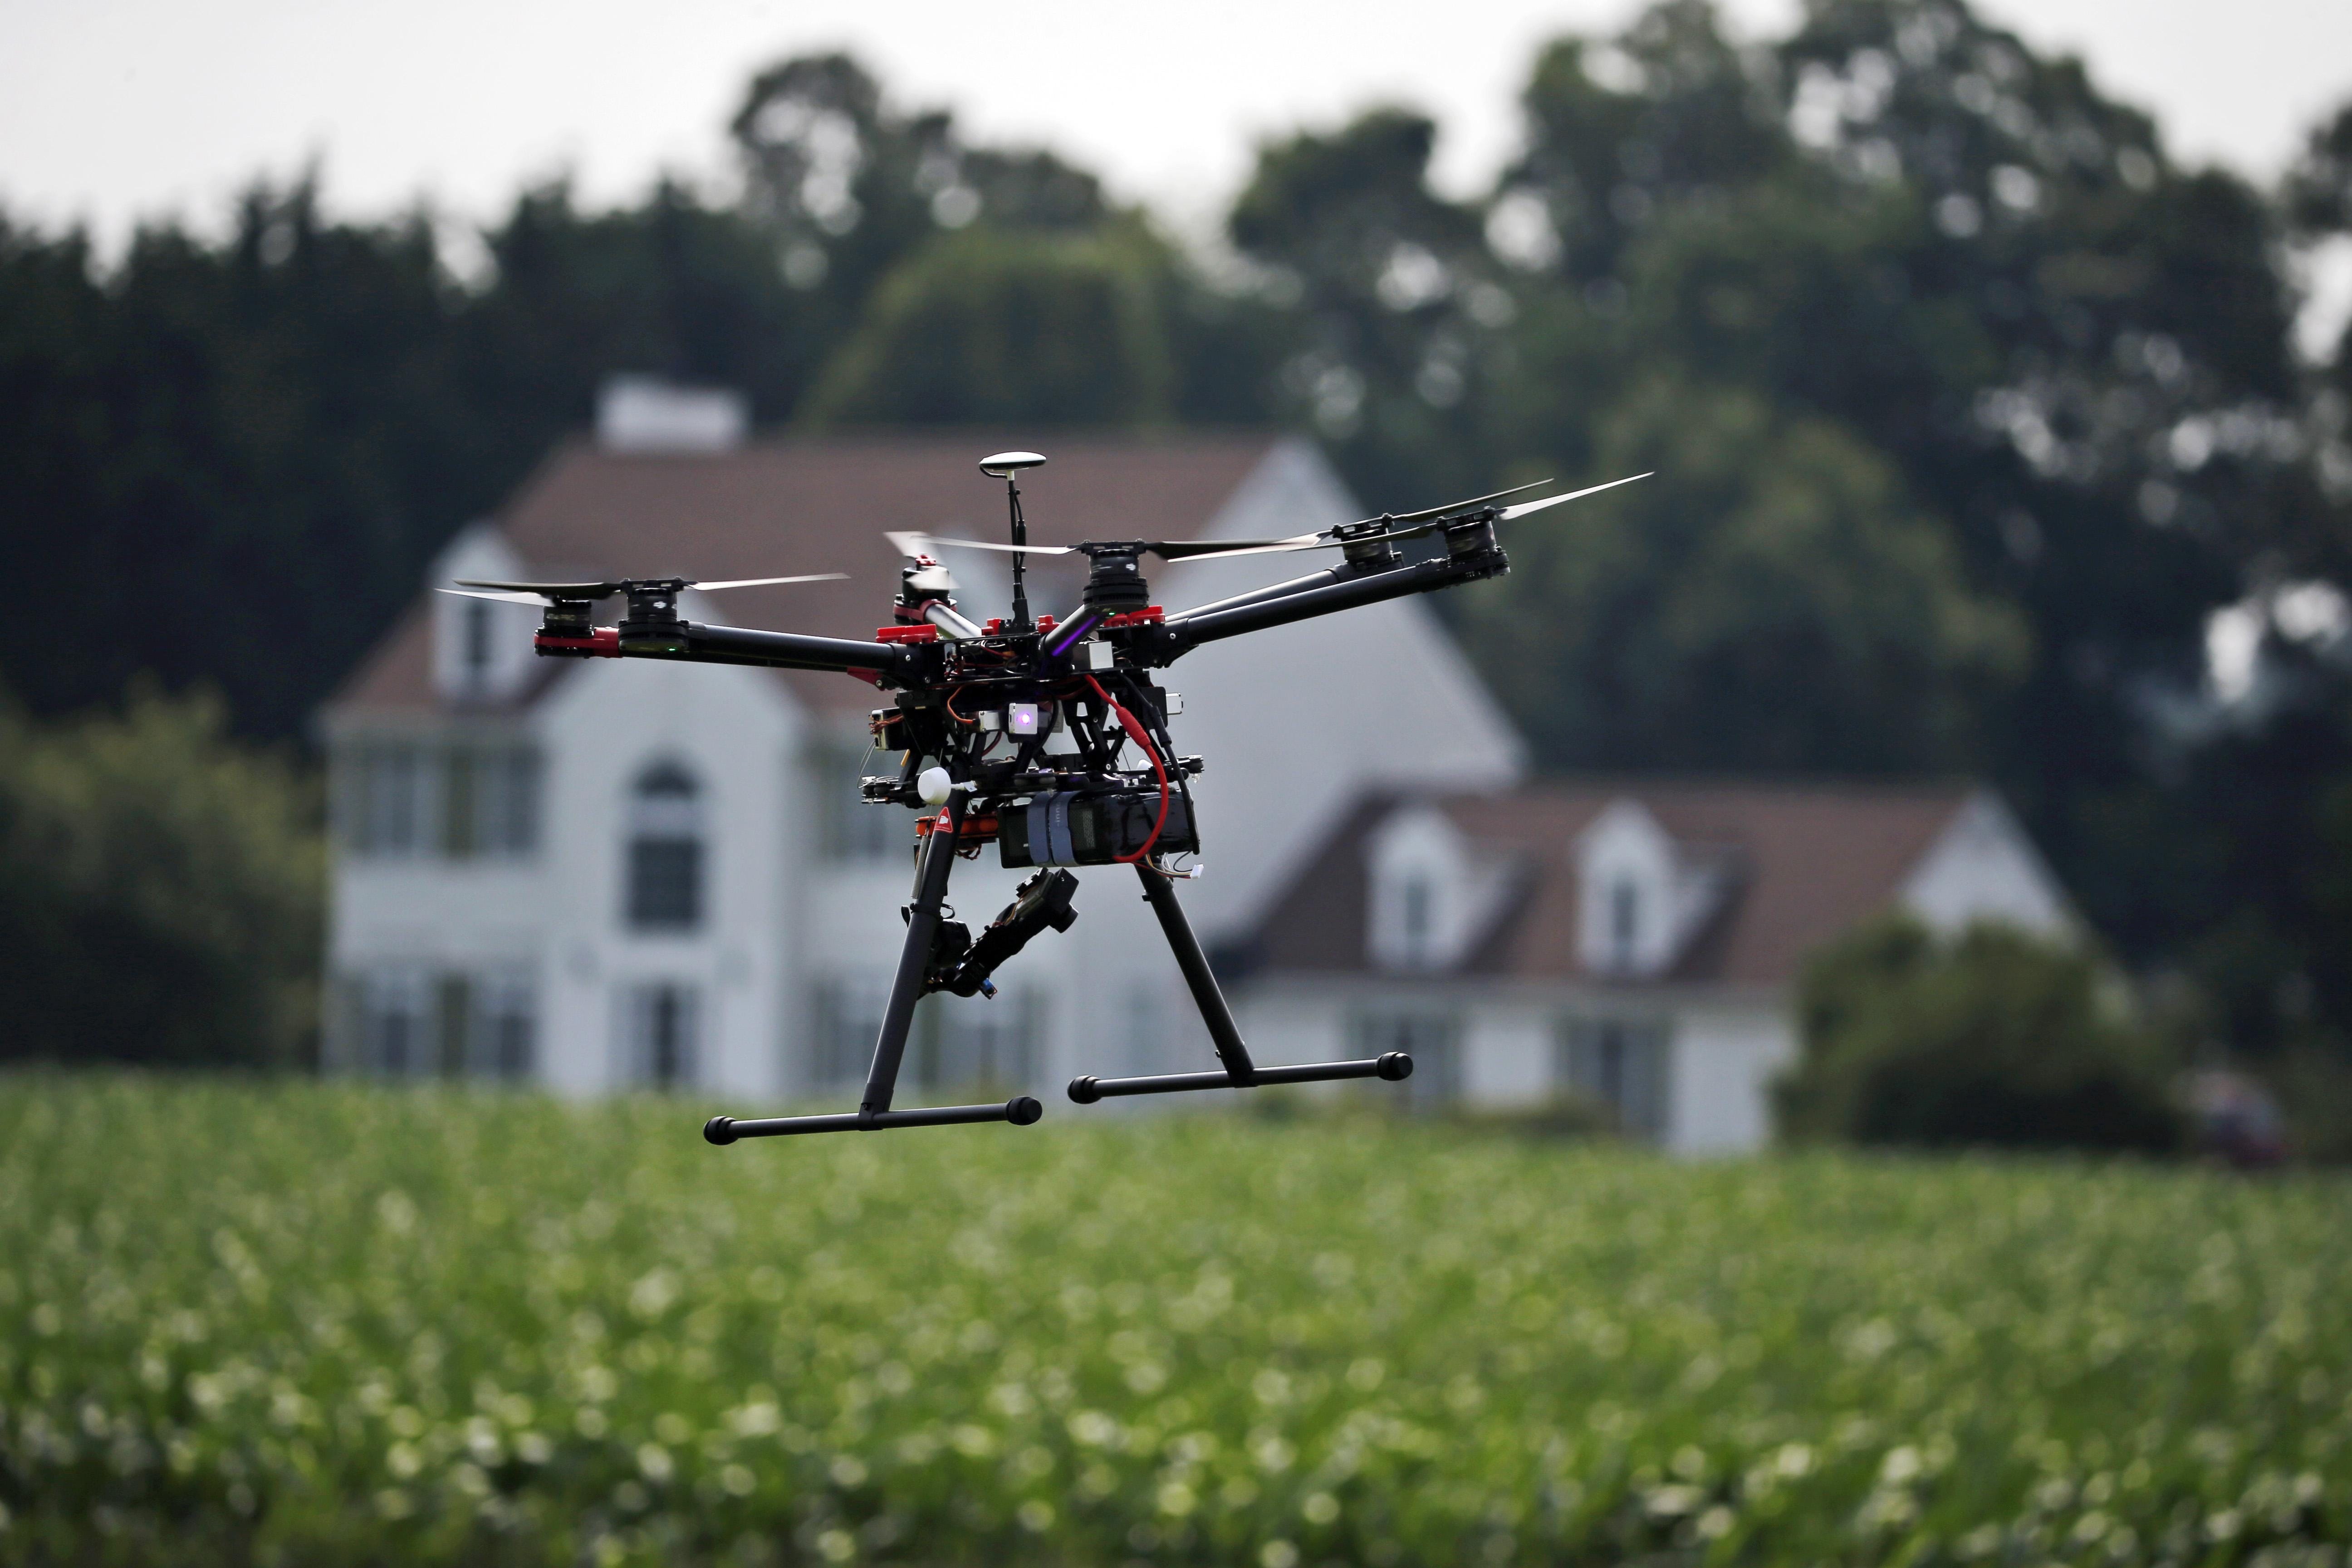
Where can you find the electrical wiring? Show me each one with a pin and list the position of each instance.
(1137, 734)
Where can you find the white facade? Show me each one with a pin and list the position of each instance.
(1623, 1006)
(605, 874)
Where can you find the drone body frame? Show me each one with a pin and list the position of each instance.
(977, 711)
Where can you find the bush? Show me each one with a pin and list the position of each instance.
(2312, 1085)
(160, 892)
(1998, 1037)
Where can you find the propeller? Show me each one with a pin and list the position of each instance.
(1431, 518)
(1424, 521)
(588, 592)
(1451, 505)
(1415, 523)
(1167, 548)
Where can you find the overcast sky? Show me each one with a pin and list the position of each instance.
(110, 108)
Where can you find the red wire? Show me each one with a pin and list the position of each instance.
(1135, 732)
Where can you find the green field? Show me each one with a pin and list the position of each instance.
(295, 1324)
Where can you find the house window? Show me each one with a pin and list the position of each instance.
(1625, 923)
(383, 800)
(1430, 1039)
(394, 800)
(476, 643)
(505, 1028)
(664, 1029)
(506, 801)
(453, 1024)
(665, 850)
(490, 801)
(1621, 1063)
(410, 1021)
(396, 1024)
(1414, 919)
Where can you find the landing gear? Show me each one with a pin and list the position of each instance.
(1044, 900)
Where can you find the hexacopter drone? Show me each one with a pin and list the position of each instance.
(1011, 732)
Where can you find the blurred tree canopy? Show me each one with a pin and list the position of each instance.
(1773, 599)
(984, 327)
(162, 891)
(1971, 409)
(1995, 1038)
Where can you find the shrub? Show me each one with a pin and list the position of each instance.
(1996, 1037)
(160, 892)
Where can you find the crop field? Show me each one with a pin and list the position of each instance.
(296, 1324)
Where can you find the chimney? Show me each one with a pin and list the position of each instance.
(647, 414)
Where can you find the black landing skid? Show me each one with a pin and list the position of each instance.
(926, 963)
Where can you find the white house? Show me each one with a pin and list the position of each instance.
(1634, 943)
(605, 873)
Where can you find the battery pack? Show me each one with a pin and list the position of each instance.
(1065, 828)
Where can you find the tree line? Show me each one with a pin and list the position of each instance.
(1969, 404)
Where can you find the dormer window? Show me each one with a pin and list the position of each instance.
(665, 850)
(1415, 919)
(1628, 873)
(476, 643)
(1625, 924)
(1432, 895)
(481, 649)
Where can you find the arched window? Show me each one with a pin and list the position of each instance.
(665, 850)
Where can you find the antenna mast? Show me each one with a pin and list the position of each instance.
(1007, 466)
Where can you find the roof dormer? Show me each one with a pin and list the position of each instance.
(481, 649)
(1642, 896)
(1432, 893)
(1625, 877)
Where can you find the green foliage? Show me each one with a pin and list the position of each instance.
(1390, 300)
(1771, 599)
(1996, 1038)
(230, 444)
(160, 892)
(308, 1325)
(994, 327)
(2314, 1089)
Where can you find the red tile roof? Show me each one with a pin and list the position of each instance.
(822, 504)
(1809, 861)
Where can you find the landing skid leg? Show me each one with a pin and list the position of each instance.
(1239, 1072)
(873, 1113)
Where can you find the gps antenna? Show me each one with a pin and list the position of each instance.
(1006, 466)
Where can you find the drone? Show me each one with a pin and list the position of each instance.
(1013, 731)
